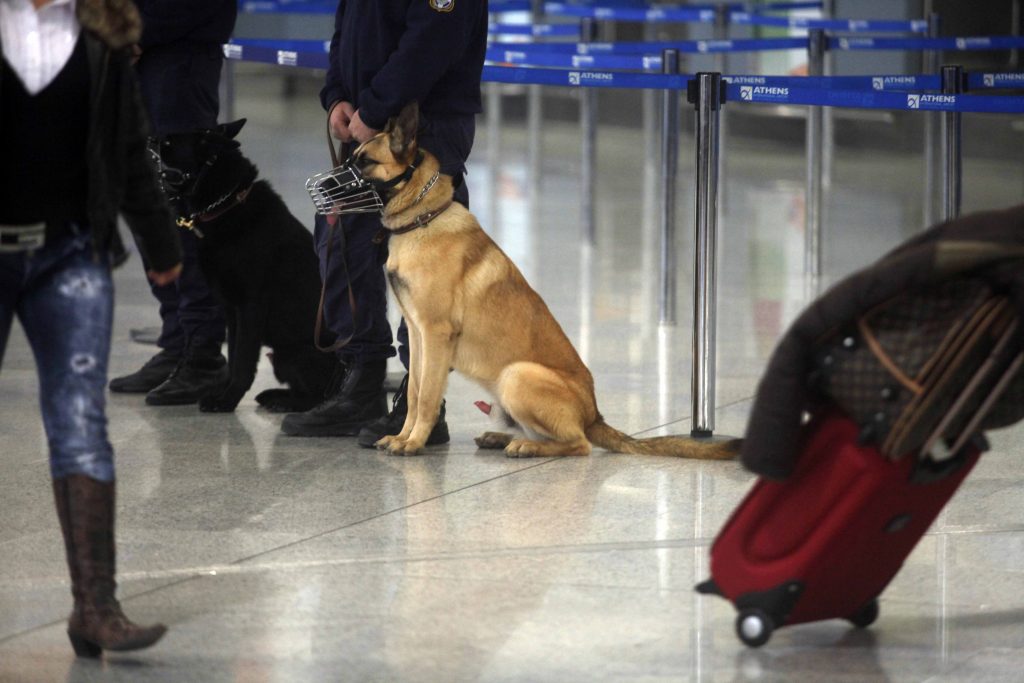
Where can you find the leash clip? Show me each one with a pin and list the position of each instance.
(189, 224)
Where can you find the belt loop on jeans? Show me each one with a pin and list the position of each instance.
(18, 238)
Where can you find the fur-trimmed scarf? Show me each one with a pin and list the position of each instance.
(116, 22)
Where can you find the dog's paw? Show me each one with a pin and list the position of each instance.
(274, 400)
(522, 448)
(385, 442)
(406, 447)
(494, 440)
(217, 404)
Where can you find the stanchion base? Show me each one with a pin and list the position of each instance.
(710, 437)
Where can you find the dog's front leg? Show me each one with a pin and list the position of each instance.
(436, 350)
(412, 390)
(243, 356)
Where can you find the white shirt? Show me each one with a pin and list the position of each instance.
(38, 43)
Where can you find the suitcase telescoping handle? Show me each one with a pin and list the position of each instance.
(936, 459)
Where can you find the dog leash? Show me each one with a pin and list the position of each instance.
(331, 225)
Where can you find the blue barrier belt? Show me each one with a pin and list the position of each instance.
(630, 13)
(589, 79)
(860, 99)
(512, 55)
(983, 81)
(268, 55)
(966, 43)
(294, 45)
(535, 29)
(277, 7)
(641, 48)
(509, 6)
(707, 14)
(890, 83)
(845, 25)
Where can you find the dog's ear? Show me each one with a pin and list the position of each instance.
(230, 130)
(401, 131)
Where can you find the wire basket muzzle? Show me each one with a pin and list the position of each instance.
(343, 190)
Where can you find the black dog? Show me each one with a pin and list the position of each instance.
(258, 258)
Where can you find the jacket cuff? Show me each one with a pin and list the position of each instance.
(161, 249)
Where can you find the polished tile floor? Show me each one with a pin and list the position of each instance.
(284, 559)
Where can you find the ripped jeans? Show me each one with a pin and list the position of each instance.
(65, 301)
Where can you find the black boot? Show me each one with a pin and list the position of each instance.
(201, 371)
(154, 373)
(360, 399)
(85, 508)
(392, 423)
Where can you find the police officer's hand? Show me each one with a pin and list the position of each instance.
(164, 277)
(359, 130)
(340, 118)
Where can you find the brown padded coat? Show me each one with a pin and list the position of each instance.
(988, 245)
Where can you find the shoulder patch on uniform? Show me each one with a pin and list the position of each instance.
(442, 5)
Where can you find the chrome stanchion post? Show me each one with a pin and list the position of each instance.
(721, 32)
(707, 93)
(669, 166)
(952, 147)
(930, 65)
(817, 44)
(227, 90)
(588, 127)
(535, 113)
(723, 20)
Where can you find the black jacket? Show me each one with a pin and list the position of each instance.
(989, 245)
(121, 177)
(387, 53)
(186, 22)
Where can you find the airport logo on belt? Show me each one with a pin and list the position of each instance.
(763, 93)
(930, 101)
(889, 82)
(992, 80)
(580, 77)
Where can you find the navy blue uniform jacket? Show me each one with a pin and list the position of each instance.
(186, 21)
(387, 53)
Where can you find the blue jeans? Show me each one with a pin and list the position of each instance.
(64, 298)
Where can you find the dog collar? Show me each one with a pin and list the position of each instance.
(421, 221)
(210, 213)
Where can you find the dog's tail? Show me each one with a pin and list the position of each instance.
(607, 437)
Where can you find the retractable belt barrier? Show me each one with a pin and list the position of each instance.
(861, 92)
(737, 14)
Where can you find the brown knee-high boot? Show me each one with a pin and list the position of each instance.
(85, 507)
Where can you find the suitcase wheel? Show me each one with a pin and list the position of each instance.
(754, 627)
(866, 615)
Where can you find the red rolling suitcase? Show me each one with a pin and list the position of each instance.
(825, 542)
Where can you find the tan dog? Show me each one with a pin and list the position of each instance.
(468, 307)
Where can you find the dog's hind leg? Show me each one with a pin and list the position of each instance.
(545, 404)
